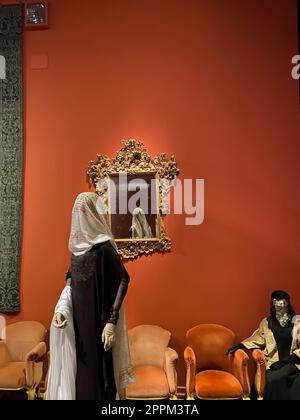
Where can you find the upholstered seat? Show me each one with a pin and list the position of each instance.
(153, 362)
(215, 384)
(20, 355)
(211, 374)
(12, 375)
(151, 382)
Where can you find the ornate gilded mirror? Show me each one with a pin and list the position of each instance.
(135, 190)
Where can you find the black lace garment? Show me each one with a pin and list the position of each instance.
(283, 337)
(99, 284)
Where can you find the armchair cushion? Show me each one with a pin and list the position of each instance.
(151, 382)
(210, 343)
(22, 337)
(12, 375)
(148, 344)
(214, 384)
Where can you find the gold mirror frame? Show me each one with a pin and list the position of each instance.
(133, 159)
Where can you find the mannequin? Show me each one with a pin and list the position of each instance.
(140, 227)
(91, 308)
(279, 337)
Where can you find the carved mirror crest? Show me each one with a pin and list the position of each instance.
(135, 192)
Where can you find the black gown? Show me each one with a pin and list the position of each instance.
(99, 283)
(284, 383)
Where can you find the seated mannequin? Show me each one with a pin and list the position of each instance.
(279, 337)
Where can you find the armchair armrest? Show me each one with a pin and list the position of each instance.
(190, 360)
(170, 360)
(34, 369)
(3, 353)
(36, 353)
(239, 368)
(260, 376)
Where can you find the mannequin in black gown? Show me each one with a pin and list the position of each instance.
(99, 283)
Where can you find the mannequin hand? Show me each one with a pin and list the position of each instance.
(234, 348)
(108, 336)
(277, 365)
(59, 321)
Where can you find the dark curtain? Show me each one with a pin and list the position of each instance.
(11, 156)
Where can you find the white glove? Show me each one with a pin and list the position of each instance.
(108, 336)
(59, 321)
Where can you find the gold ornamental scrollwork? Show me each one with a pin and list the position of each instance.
(134, 159)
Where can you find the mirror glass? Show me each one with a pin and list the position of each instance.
(133, 206)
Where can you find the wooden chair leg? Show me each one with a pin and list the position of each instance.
(31, 393)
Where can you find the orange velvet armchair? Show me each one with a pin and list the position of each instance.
(154, 364)
(20, 357)
(211, 374)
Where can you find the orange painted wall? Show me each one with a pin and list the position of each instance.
(206, 80)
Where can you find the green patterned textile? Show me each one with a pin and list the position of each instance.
(11, 155)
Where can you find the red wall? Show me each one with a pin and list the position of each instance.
(206, 80)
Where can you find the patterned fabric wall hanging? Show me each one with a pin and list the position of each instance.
(11, 156)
